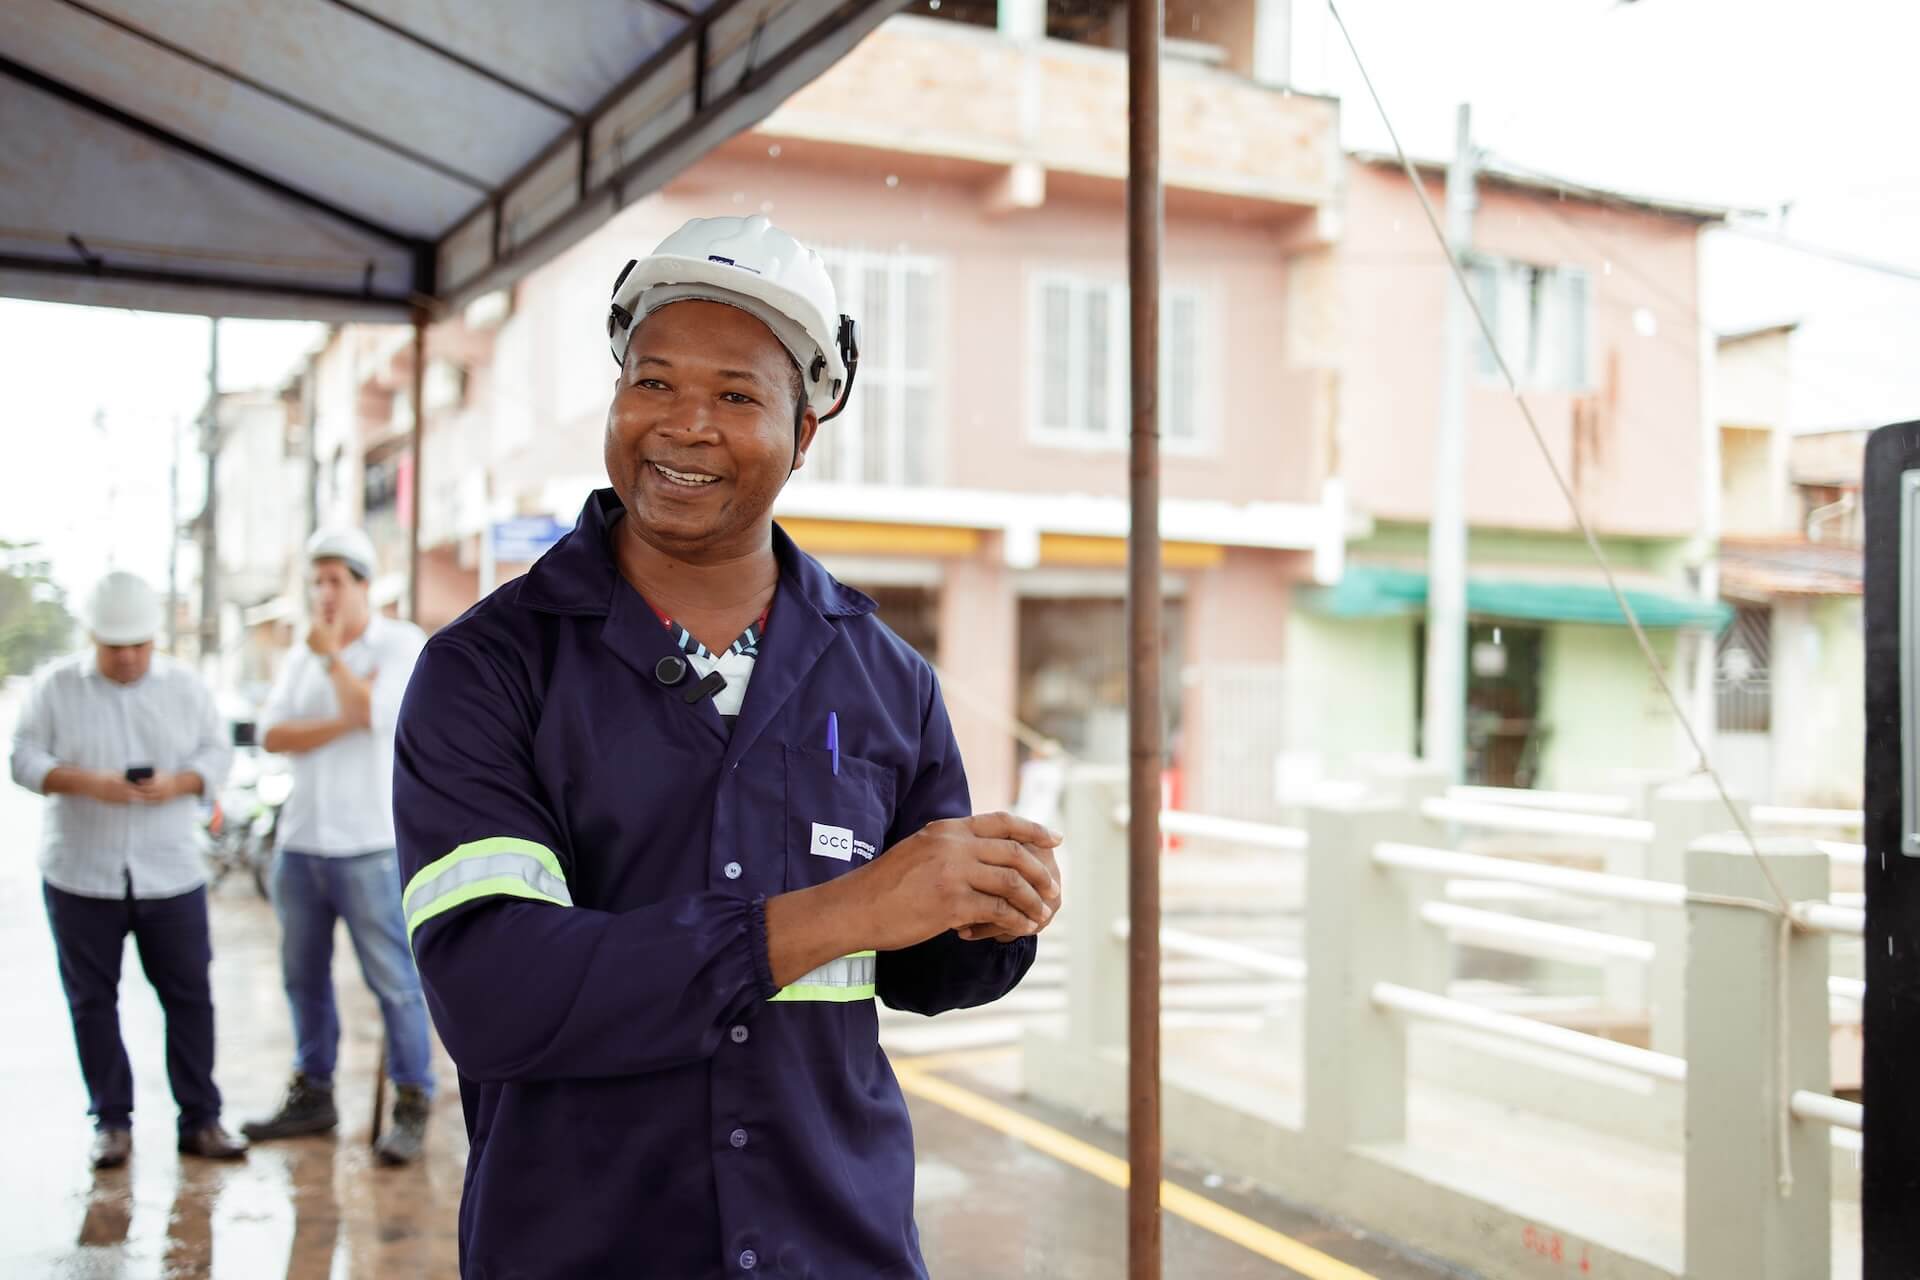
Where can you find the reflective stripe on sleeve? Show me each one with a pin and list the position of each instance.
(499, 866)
(841, 981)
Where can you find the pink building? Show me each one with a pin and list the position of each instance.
(967, 185)
(1593, 298)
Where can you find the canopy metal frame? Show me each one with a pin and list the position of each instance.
(715, 68)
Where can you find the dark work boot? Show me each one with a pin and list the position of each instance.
(211, 1142)
(307, 1109)
(111, 1147)
(405, 1138)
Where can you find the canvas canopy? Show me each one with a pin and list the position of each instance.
(357, 159)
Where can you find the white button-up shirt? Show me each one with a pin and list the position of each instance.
(75, 716)
(342, 801)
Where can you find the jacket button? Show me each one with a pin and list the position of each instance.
(738, 1138)
(670, 670)
(732, 870)
(739, 1035)
(749, 1260)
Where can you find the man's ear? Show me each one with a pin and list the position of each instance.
(807, 428)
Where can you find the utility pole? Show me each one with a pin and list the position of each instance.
(113, 483)
(1443, 738)
(210, 510)
(310, 416)
(173, 543)
(1705, 643)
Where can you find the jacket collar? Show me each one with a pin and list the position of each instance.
(578, 575)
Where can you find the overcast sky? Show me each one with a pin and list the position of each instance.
(1754, 103)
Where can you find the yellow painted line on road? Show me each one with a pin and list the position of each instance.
(1252, 1236)
(960, 1059)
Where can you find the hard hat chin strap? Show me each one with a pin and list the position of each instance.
(848, 340)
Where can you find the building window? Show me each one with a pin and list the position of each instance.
(890, 432)
(380, 480)
(1541, 317)
(1082, 376)
(1743, 672)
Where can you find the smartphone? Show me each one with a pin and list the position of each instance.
(140, 773)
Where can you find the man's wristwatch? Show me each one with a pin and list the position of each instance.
(326, 662)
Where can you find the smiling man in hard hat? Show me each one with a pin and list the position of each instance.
(121, 741)
(675, 809)
(333, 710)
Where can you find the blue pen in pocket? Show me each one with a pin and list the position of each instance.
(833, 740)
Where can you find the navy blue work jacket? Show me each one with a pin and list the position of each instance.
(587, 859)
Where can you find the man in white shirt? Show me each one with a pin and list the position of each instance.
(333, 710)
(120, 742)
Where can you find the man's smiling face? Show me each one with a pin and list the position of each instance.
(700, 434)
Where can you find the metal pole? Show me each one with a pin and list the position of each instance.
(1144, 692)
(489, 554)
(379, 1094)
(310, 415)
(1705, 666)
(1443, 736)
(417, 493)
(173, 544)
(210, 510)
(113, 481)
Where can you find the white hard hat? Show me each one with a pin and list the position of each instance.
(349, 545)
(751, 264)
(122, 609)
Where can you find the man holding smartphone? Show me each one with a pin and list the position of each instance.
(333, 712)
(121, 742)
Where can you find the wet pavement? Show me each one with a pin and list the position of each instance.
(319, 1209)
(313, 1208)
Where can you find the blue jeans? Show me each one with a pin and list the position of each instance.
(310, 893)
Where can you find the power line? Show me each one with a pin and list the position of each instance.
(1841, 256)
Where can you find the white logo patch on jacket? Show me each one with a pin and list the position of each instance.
(832, 842)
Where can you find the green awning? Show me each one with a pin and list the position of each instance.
(1378, 591)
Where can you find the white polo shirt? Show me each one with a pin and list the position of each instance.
(342, 800)
(167, 721)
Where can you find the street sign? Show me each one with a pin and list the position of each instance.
(524, 539)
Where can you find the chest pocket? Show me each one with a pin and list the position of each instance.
(834, 824)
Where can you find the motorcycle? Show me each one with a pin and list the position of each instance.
(240, 826)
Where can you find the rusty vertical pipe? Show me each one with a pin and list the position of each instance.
(1144, 696)
(418, 445)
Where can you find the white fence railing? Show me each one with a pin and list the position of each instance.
(1828, 918)
(1828, 1110)
(1691, 927)
(1545, 822)
(1781, 816)
(1178, 942)
(1521, 935)
(1559, 801)
(1841, 851)
(1251, 835)
(1460, 1013)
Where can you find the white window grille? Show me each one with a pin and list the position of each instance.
(1541, 317)
(890, 432)
(1081, 373)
